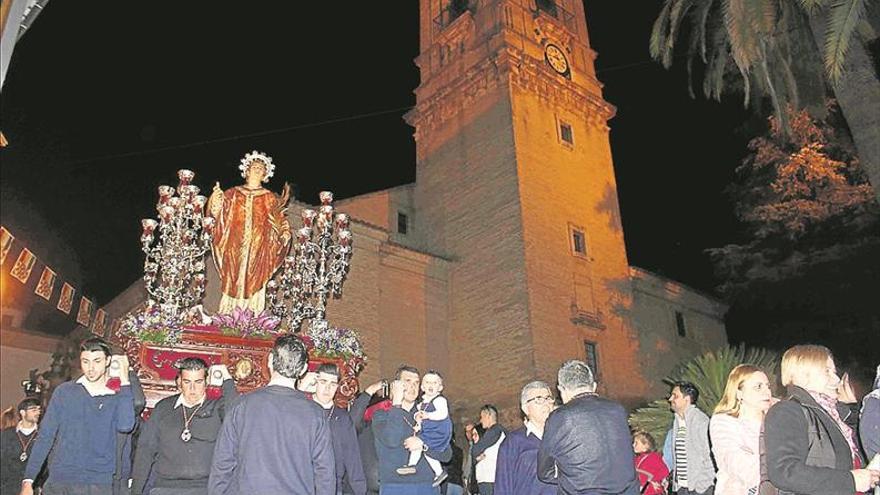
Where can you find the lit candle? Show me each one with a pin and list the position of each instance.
(308, 216)
(185, 176)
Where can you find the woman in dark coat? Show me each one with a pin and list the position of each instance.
(810, 450)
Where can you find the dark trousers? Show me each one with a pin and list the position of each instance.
(179, 491)
(76, 489)
(486, 488)
(685, 491)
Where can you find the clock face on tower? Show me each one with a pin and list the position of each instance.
(556, 58)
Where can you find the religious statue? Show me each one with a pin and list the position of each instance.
(251, 235)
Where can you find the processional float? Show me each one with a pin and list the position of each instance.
(273, 280)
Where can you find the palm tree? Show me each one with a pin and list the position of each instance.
(709, 373)
(773, 48)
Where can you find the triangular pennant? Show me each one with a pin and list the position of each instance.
(84, 315)
(65, 301)
(114, 328)
(46, 284)
(6, 239)
(98, 324)
(23, 265)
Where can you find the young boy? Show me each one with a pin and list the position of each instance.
(433, 423)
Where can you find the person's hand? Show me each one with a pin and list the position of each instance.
(481, 457)
(375, 387)
(865, 479)
(414, 444)
(222, 369)
(122, 359)
(397, 392)
(845, 392)
(420, 416)
(27, 488)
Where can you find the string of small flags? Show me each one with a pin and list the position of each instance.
(24, 266)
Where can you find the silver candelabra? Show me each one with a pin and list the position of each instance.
(174, 268)
(315, 269)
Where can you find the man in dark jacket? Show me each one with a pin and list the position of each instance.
(362, 409)
(349, 469)
(176, 445)
(16, 443)
(125, 441)
(586, 447)
(394, 439)
(275, 440)
(485, 449)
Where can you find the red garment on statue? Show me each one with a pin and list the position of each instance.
(247, 240)
(651, 468)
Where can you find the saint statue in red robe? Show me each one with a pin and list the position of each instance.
(251, 235)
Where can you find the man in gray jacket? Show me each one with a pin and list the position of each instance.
(692, 468)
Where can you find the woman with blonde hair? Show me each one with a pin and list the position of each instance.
(735, 430)
(809, 447)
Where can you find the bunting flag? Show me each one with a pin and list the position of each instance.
(98, 323)
(23, 265)
(46, 284)
(84, 315)
(65, 301)
(5, 243)
(27, 262)
(114, 328)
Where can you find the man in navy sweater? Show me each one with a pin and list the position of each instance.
(394, 440)
(350, 478)
(80, 427)
(275, 440)
(517, 470)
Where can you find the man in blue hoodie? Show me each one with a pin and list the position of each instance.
(80, 427)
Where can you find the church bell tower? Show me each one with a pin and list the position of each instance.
(515, 185)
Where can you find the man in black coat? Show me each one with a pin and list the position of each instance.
(275, 440)
(349, 469)
(176, 446)
(16, 443)
(587, 446)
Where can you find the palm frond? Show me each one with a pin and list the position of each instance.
(659, 32)
(676, 15)
(709, 373)
(843, 18)
(701, 18)
(713, 81)
(811, 5)
(739, 21)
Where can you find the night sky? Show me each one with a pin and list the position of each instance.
(105, 100)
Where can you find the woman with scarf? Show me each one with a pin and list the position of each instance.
(810, 448)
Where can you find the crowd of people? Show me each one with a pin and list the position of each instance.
(396, 436)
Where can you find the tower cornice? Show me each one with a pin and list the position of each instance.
(512, 69)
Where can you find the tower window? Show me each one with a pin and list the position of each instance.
(680, 325)
(402, 223)
(591, 357)
(548, 6)
(565, 133)
(452, 11)
(578, 242)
